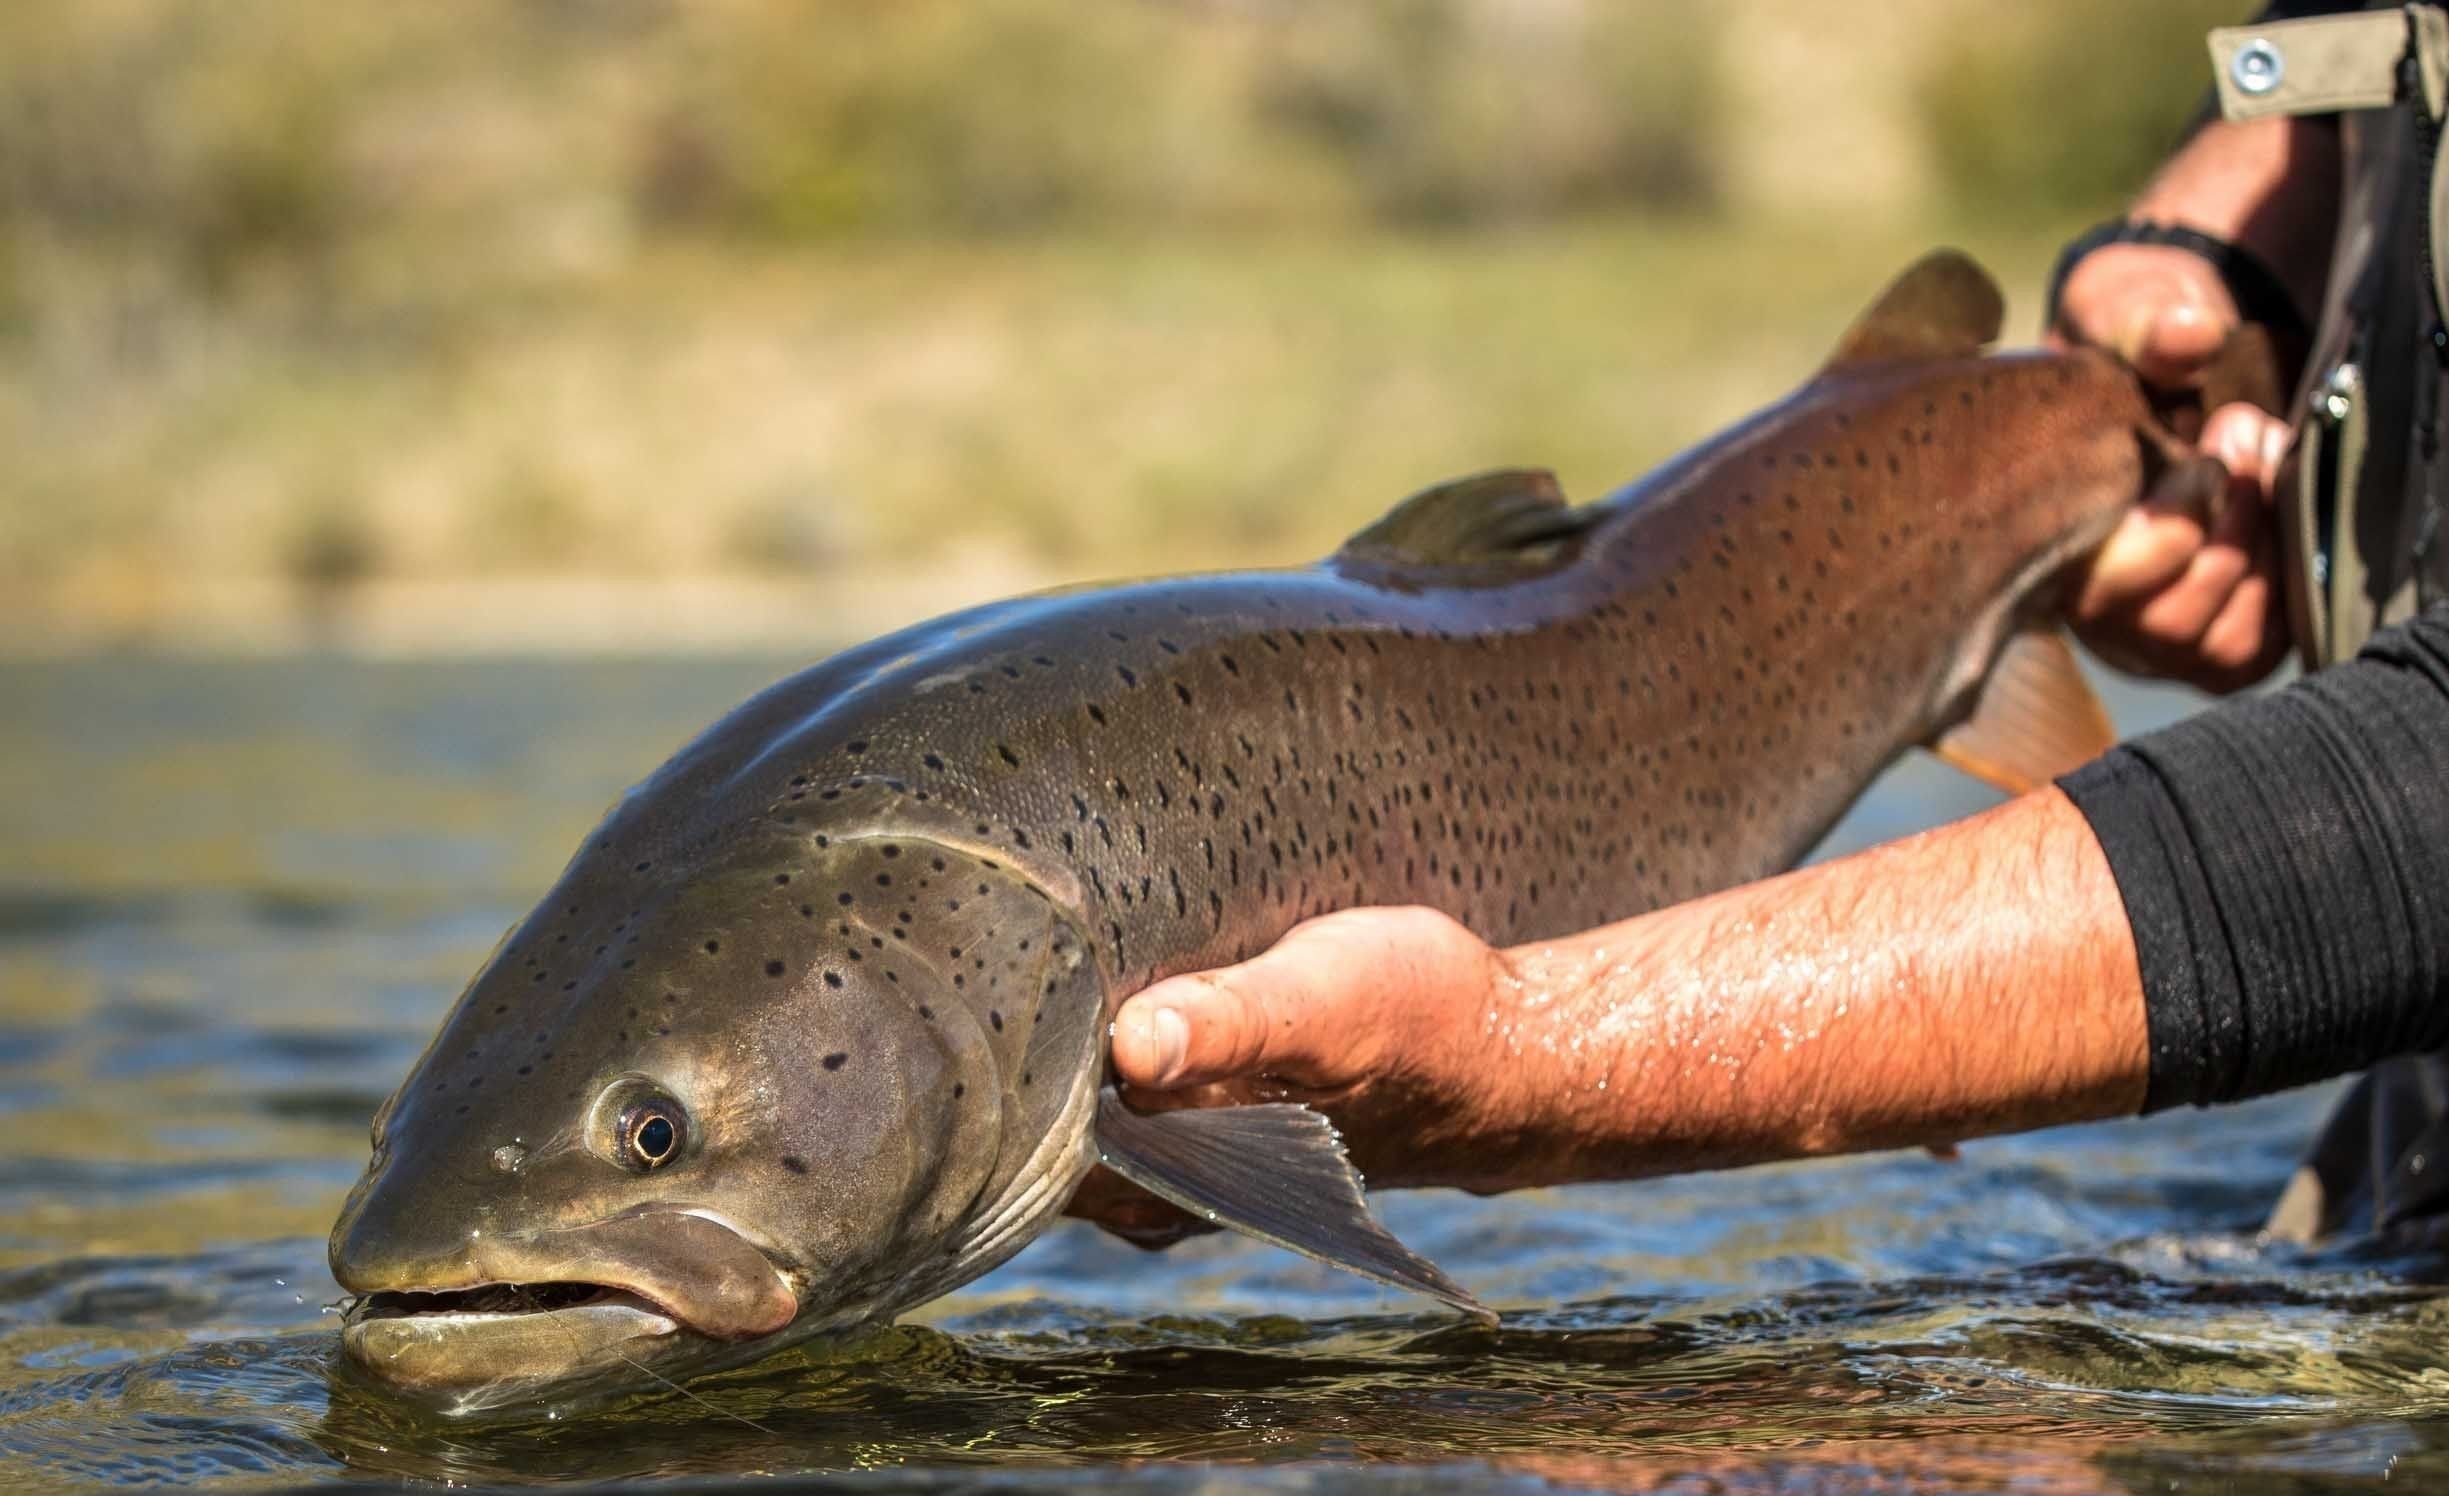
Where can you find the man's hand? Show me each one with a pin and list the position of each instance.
(2165, 596)
(1975, 979)
(1379, 1017)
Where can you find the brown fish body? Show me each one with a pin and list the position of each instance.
(1686, 700)
(853, 950)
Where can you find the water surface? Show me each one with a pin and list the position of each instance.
(236, 896)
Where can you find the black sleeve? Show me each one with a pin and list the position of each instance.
(2284, 862)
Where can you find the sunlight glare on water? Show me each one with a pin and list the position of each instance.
(235, 898)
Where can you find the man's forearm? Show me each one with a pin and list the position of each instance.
(1976, 979)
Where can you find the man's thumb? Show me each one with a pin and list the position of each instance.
(1310, 1010)
(1188, 1031)
(2170, 343)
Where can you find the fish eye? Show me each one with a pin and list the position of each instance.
(651, 1134)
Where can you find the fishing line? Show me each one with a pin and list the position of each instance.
(537, 1306)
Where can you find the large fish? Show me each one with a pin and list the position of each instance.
(812, 1028)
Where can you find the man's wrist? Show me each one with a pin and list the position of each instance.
(2256, 290)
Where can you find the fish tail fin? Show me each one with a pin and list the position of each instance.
(2035, 719)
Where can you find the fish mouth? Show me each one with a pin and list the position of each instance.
(513, 1319)
(500, 1300)
(465, 1350)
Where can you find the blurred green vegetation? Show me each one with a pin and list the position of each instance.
(2055, 112)
(323, 296)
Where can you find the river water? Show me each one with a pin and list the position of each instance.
(235, 897)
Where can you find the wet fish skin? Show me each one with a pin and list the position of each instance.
(867, 930)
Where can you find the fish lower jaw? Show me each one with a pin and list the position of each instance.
(505, 1345)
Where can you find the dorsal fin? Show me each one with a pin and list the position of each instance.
(1943, 306)
(1509, 516)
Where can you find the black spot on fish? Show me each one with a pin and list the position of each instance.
(1007, 755)
(995, 1017)
(782, 879)
(836, 1060)
(773, 968)
(795, 1163)
(713, 947)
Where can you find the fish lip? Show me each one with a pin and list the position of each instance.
(460, 1355)
(486, 1300)
(698, 1274)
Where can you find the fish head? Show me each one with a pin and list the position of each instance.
(680, 1121)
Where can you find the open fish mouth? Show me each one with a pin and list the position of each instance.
(494, 1345)
(509, 1320)
(497, 1300)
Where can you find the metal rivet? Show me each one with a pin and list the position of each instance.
(2257, 67)
(2337, 396)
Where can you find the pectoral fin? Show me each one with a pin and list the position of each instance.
(1275, 1172)
(2036, 718)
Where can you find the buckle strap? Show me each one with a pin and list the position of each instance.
(2259, 294)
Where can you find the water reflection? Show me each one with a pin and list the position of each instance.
(243, 892)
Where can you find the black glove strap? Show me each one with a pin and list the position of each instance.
(2252, 284)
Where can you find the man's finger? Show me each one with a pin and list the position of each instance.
(1222, 1025)
(2149, 550)
(2249, 441)
(2182, 611)
(1311, 1010)
(2159, 308)
(2177, 340)
(1125, 1210)
(2243, 643)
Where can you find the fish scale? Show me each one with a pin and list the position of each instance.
(859, 942)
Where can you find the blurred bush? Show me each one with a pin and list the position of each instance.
(2056, 113)
(987, 116)
(307, 298)
(215, 137)
(205, 137)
